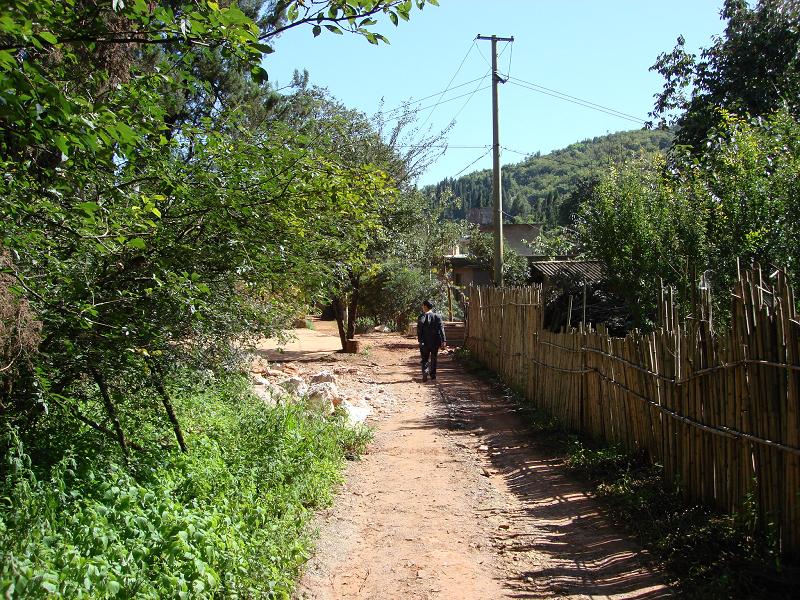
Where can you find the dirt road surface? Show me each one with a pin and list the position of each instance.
(455, 497)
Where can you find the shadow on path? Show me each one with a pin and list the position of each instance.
(579, 553)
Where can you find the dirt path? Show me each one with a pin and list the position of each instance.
(455, 499)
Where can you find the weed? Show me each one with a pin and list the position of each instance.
(225, 520)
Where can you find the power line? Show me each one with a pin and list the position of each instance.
(473, 162)
(404, 105)
(486, 60)
(452, 99)
(477, 88)
(445, 146)
(452, 121)
(515, 151)
(503, 51)
(574, 100)
(452, 79)
(583, 104)
(578, 99)
(549, 156)
(511, 56)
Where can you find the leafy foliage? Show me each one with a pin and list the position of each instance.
(693, 220)
(227, 519)
(481, 252)
(395, 292)
(751, 70)
(161, 208)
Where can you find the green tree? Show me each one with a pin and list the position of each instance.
(752, 69)
(695, 220)
(359, 142)
(142, 241)
(645, 231)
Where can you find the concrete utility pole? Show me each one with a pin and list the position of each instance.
(497, 191)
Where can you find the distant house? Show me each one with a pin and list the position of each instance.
(465, 272)
(515, 236)
(480, 216)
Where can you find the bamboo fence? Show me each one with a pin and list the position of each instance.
(718, 410)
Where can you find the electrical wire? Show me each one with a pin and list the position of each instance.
(574, 100)
(486, 60)
(446, 146)
(463, 106)
(515, 151)
(503, 51)
(472, 163)
(585, 105)
(578, 99)
(549, 156)
(452, 79)
(405, 105)
(477, 88)
(510, 57)
(486, 87)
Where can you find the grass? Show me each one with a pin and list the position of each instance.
(708, 555)
(228, 519)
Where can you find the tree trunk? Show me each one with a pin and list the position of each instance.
(352, 312)
(110, 409)
(341, 318)
(165, 400)
(94, 425)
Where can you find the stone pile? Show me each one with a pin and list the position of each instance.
(319, 389)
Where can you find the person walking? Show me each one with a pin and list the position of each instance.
(430, 334)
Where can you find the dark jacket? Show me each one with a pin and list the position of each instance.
(430, 330)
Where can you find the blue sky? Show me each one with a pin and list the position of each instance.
(593, 50)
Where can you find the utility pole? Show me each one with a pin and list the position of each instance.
(497, 191)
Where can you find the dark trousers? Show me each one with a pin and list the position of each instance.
(429, 357)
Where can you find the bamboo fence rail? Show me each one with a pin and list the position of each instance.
(719, 410)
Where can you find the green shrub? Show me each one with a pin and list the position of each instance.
(394, 293)
(225, 520)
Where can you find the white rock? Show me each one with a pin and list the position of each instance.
(260, 380)
(322, 377)
(321, 396)
(356, 414)
(269, 392)
(295, 385)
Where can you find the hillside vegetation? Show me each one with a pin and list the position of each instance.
(547, 188)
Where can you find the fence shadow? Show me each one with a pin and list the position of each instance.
(582, 553)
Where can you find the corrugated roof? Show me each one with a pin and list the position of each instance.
(588, 270)
(462, 261)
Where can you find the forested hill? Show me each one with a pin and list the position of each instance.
(542, 188)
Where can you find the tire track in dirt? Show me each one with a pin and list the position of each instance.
(456, 499)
